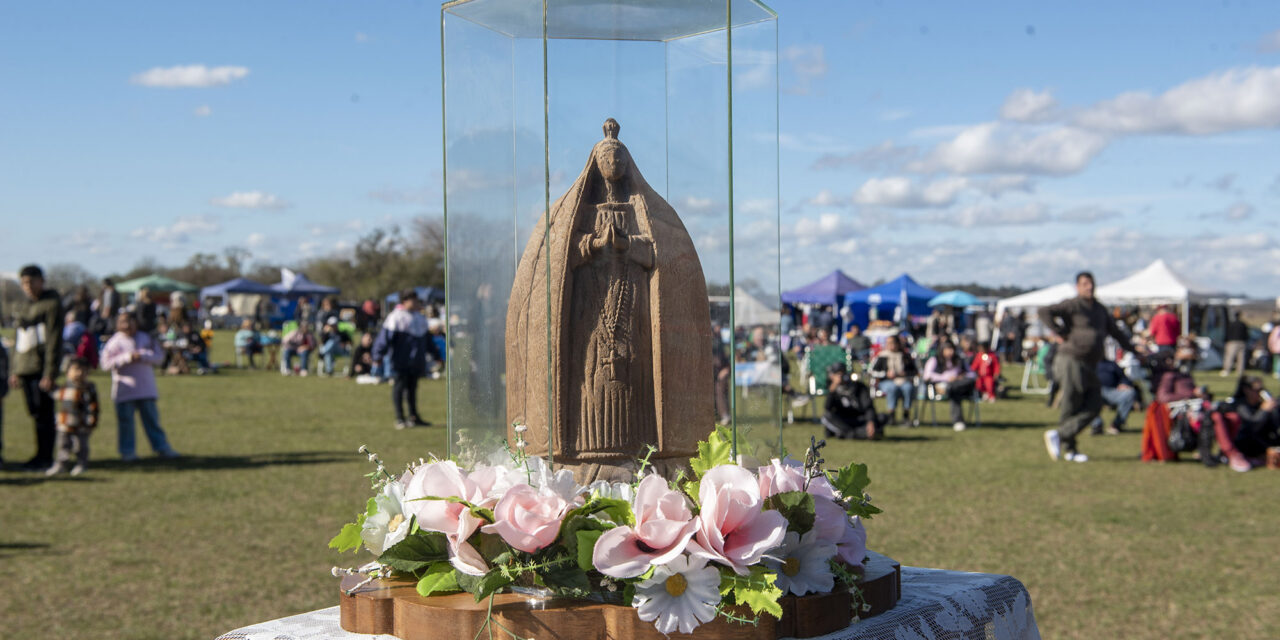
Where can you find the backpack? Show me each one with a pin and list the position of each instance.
(87, 348)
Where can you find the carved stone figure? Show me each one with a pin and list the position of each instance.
(608, 328)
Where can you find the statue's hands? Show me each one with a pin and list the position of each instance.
(620, 241)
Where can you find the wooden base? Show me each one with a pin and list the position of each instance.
(394, 607)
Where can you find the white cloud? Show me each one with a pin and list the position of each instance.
(997, 148)
(1087, 214)
(1234, 213)
(893, 115)
(807, 62)
(898, 191)
(255, 240)
(362, 37)
(986, 215)
(826, 198)
(1231, 100)
(999, 185)
(180, 232)
(203, 111)
(195, 75)
(251, 200)
(1269, 43)
(698, 206)
(1028, 105)
(883, 156)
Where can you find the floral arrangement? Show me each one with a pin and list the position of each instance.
(727, 541)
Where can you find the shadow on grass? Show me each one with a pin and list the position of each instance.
(226, 463)
(14, 549)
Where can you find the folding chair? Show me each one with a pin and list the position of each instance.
(929, 394)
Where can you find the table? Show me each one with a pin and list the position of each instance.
(935, 605)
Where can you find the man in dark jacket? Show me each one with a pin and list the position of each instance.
(404, 345)
(1080, 326)
(37, 353)
(849, 411)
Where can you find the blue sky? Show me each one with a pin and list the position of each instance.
(1006, 143)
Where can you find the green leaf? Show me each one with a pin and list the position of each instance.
(755, 590)
(348, 539)
(415, 552)
(796, 506)
(492, 582)
(851, 480)
(586, 546)
(716, 450)
(567, 579)
(439, 578)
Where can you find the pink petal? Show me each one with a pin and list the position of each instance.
(616, 554)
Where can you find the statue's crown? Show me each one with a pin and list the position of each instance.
(611, 128)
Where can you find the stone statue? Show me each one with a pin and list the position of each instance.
(609, 329)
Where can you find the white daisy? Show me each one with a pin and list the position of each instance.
(681, 595)
(803, 564)
(389, 524)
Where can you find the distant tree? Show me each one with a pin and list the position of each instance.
(65, 276)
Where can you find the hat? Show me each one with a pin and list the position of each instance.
(331, 321)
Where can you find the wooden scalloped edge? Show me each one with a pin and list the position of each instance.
(394, 607)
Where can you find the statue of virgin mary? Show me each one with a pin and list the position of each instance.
(608, 327)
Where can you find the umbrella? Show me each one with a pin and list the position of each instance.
(157, 283)
(954, 298)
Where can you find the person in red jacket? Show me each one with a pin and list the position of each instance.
(1165, 328)
(987, 366)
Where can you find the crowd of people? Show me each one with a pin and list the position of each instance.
(66, 338)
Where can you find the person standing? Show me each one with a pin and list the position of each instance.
(1012, 328)
(1165, 328)
(1080, 326)
(1235, 338)
(129, 355)
(108, 307)
(144, 308)
(404, 343)
(77, 417)
(4, 391)
(37, 354)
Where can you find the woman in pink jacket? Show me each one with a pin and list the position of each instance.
(130, 355)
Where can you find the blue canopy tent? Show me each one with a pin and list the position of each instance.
(829, 289)
(956, 298)
(425, 294)
(296, 285)
(887, 298)
(236, 285)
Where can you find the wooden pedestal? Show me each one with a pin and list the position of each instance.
(394, 607)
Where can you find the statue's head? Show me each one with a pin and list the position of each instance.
(611, 154)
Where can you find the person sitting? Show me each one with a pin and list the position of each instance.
(194, 349)
(247, 343)
(849, 411)
(895, 371)
(858, 344)
(1186, 353)
(1171, 383)
(333, 343)
(1117, 391)
(987, 368)
(1259, 422)
(362, 357)
(949, 376)
(297, 343)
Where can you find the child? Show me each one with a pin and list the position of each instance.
(247, 342)
(77, 406)
(987, 366)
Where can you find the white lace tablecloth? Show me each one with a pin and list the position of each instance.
(935, 605)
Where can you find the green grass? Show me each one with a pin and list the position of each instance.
(235, 533)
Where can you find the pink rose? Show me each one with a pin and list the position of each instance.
(527, 519)
(455, 521)
(663, 527)
(852, 548)
(732, 529)
(788, 475)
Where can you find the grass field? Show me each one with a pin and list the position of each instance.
(235, 532)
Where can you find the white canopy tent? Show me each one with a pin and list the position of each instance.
(1156, 284)
(1033, 300)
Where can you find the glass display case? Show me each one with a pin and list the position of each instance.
(542, 294)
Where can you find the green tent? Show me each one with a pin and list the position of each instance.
(156, 283)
